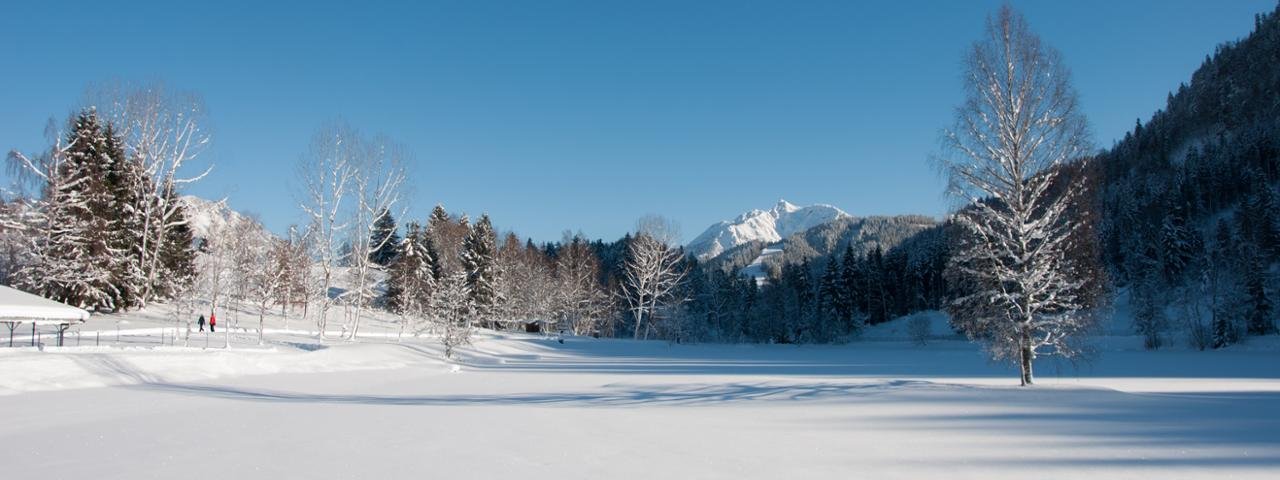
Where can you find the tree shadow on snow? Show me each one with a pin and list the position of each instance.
(614, 395)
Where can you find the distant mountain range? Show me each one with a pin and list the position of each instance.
(766, 226)
(759, 242)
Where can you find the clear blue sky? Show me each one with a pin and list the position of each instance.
(554, 115)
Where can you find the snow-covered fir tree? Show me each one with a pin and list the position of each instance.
(480, 263)
(385, 239)
(831, 318)
(452, 313)
(128, 187)
(410, 278)
(75, 255)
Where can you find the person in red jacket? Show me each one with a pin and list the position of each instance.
(213, 320)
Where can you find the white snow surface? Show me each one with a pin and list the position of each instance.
(768, 226)
(528, 406)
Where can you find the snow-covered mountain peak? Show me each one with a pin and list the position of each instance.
(769, 226)
(207, 216)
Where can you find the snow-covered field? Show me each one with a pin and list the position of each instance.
(525, 406)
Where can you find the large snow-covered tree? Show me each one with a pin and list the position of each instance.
(127, 187)
(75, 259)
(1020, 123)
(163, 132)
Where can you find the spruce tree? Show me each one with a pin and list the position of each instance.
(127, 186)
(411, 278)
(1178, 245)
(830, 305)
(385, 240)
(480, 262)
(877, 303)
(853, 288)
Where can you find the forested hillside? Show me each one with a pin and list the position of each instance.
(1188, 202)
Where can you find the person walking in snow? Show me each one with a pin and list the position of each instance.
(213, 320)
(200, 322)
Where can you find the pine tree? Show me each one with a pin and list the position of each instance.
(385, 240)
(480, 262)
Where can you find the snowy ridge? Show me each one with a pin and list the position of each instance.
(769, 226)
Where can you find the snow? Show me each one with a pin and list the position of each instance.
(756, 269)
(528, 406)
(22, 306)
(768, 226)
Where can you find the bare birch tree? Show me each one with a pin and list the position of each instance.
(214, 272)
(377, 186)
(327, 171)
(652, 272)
(581, 302)
(1020, 123)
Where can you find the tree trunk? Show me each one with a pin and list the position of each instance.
(1027, 357)
(639, 320)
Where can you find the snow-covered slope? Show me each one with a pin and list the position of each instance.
(768, 226)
